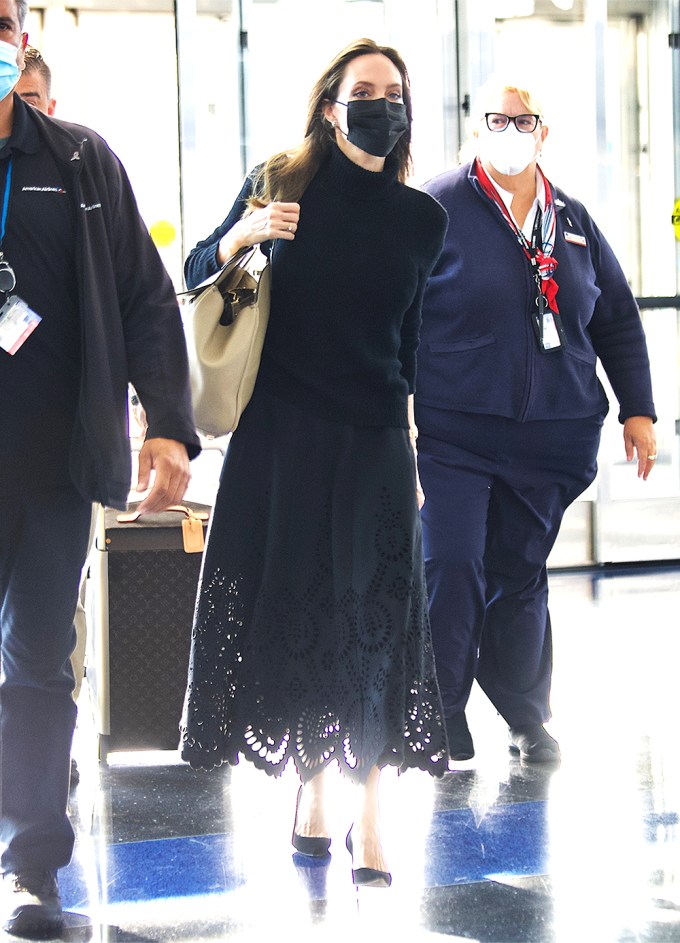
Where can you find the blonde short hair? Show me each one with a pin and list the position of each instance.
(494, 88)
(486, 98)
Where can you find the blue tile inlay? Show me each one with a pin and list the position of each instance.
(509, 839)
(155, 870)
(464, 846)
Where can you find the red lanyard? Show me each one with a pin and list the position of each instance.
(539, 250)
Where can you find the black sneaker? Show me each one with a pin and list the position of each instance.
(534, 744)
(31, 903)
(459, 737)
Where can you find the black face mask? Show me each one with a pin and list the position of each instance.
(375, 125)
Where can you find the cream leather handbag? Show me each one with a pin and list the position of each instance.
(225, 322)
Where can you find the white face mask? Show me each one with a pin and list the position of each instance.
(509, 152)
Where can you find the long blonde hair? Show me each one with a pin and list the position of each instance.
(286, 175)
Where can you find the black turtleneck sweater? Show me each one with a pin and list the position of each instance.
(346, 293)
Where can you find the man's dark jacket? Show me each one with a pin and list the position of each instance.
(130, 322)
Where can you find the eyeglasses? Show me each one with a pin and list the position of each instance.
(524, 123)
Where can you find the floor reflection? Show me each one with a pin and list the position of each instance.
(497, 851)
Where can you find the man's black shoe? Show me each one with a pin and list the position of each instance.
(534, 744)
(31, 906)
(75, 775)
(461, 746)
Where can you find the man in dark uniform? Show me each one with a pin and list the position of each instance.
(86, 307)
(35, 84)
(35, 87)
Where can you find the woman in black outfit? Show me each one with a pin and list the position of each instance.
(311, 638)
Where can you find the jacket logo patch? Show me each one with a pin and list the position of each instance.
(90, 207)
(575, 238)
(43, 190)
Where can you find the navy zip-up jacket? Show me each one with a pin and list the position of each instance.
(478, 350)
(130, 321)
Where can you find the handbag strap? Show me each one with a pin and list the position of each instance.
(238, 260)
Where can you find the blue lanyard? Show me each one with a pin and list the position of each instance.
(5, 201)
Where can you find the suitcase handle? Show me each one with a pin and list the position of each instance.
(129, 517)
(192, 526)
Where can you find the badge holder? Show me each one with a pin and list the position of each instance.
(17, 322)
(7, 277)
(548, 327)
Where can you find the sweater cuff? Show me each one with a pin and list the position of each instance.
(642, 409)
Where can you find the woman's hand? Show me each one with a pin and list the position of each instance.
(413, 439)
(638, 436)
(420, 494)
(274, 221)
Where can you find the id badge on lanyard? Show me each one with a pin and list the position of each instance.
(17, 323)
(17, 320)
(547, 326)
(547, 323)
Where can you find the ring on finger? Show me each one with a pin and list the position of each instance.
(651, 458)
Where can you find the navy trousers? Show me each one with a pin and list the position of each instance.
(495, 494)
(43, 545)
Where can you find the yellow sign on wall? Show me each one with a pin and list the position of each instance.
(164, 233)
(676, 219)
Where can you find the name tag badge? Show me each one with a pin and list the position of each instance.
(574, 238)
(17, 323)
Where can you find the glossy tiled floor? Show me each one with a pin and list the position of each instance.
(498, 851)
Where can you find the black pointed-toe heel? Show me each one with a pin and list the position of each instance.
(367, 877)
(305, 844)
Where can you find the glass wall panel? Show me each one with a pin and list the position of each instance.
(116, 72)
(211, 143)
(290, 42)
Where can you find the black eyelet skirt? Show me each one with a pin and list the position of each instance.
(311, 637)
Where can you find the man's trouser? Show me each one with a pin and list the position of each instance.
(43, 544)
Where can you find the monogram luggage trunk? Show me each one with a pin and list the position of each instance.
(141, 594)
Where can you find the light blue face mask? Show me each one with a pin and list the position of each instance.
(9, 70)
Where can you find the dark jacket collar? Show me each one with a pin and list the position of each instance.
(30, 126)
(24, 136)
